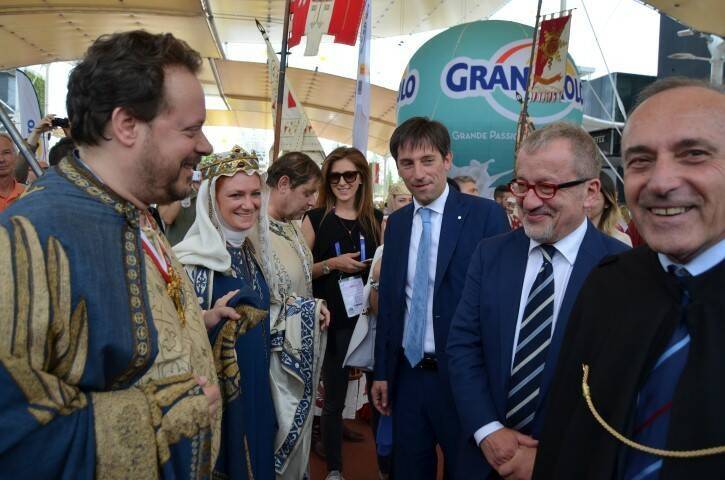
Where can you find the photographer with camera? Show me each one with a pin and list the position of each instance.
(48, 123)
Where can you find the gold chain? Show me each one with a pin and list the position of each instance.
(703, 452)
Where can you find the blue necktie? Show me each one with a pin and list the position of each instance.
(415, 326)
(654, 400)
(531, 347)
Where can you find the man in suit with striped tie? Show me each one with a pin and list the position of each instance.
(506, 335)
(639, 394)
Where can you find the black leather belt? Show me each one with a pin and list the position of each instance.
(429, 362)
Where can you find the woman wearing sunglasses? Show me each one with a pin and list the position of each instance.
(343, 233)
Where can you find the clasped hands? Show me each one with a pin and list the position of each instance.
(510, 453)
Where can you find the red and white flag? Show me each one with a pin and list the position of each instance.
(296, 133)
(550, 60)
(339, 18)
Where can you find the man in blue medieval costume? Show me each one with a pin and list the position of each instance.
(105, 365)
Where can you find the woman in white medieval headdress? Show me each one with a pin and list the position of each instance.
(220, 260)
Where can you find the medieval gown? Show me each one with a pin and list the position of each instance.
(248, 422)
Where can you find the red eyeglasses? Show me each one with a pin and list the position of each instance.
(543, 190)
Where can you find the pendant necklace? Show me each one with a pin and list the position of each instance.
(155, 249)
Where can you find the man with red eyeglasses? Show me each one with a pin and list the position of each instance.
(508, 329)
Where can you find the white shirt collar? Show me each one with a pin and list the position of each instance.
(701, 263)
(568, 246)
(437, 205)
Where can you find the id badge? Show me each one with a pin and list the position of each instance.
(351, 289)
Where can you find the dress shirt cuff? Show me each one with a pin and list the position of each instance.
(486, 430)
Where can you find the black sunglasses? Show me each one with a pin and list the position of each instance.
(349, 176)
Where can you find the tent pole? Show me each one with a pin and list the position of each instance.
(280, 86)
(18, 139)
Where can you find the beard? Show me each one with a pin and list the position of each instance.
(539, 234)
(162, 180)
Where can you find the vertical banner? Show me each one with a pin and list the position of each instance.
(296, 133)
(28, 110)
(550, 60)
(362, 88)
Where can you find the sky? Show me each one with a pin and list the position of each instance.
(628, 34)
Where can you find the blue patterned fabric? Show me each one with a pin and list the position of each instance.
(299, 364)
(248, 422)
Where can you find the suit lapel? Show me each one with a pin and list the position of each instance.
(454, 215)
(405, 231)
(590, 253)
(509, 293)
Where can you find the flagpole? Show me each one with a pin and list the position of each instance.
(280, 84)
(525, 107)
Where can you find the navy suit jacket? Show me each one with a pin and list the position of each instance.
(480, 343)
(466, 220)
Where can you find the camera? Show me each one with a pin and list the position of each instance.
(60, 123)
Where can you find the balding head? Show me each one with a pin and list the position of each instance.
(8, 156)
(673, 149)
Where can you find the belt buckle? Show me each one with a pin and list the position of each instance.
(428, 362)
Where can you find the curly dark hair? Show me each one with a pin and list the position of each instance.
(122, 70)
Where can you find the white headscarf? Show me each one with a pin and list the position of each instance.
(205, 242)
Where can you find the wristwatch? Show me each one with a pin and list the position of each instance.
(325, 268)
(374, 285)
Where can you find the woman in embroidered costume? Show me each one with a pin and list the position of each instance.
(220, 261)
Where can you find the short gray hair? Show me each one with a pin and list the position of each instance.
(10, 139)
(671, 83)
(586, 154)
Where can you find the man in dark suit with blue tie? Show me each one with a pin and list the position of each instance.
(506, 334)
(428, 245)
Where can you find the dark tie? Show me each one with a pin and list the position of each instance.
(654, 400)
(531, 347)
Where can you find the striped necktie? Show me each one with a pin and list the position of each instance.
(654, 400)
(531, 347)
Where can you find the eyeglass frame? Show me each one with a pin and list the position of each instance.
(555, 186)
(341, 175)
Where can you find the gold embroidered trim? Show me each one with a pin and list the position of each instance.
(703, 452)
(225, 355)
(7, 293)
(250, 473)
(31, 189)
(124, 436)
(44, 355)
(132, 258)
(81, 178)
(188, 416)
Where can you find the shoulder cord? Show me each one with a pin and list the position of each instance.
(703, 452)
